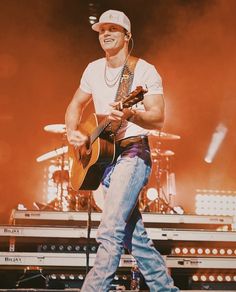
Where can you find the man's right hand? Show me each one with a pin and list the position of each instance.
(76, 138)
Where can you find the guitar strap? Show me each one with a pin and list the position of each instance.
(126, 79)
(124, 88)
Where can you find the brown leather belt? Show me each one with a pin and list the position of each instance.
(131, 140)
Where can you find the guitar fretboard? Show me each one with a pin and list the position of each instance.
(101, 127)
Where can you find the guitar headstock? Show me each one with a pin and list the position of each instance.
(133, 98)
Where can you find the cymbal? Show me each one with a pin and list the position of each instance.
(55, 128)
(52, 154)
(164, 153)
(163, 136)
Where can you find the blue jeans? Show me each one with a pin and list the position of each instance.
(122, 226)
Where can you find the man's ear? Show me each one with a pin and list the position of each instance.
(127, 36)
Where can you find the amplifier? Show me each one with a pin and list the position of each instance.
(21, 217)
(154, 233)
(74, 239)
(68, 271)
(10, 260)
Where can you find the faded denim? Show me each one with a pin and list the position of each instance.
(122, 226)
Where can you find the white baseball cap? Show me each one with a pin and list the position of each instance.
(113, 16)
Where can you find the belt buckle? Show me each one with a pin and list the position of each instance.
(128, 141)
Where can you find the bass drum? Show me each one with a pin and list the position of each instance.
(99, 196)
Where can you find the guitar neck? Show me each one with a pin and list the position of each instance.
(98, 130)
(133, 98)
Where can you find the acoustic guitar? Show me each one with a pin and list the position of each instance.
(87, 163)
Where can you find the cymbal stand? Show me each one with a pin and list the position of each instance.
(61, 176)
(170, 183)
(61, 179)
(88, 230)
(164, 202)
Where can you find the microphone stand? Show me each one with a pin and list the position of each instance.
(88, 231)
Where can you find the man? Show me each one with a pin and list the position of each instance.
(121, 224)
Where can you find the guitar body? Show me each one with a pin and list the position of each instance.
(87, 164)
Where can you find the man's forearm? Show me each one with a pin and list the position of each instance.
(73, 117)
(148, 120)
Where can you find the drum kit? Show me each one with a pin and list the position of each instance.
(66, 199)
(160, 199)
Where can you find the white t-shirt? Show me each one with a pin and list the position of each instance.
(93, 82)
